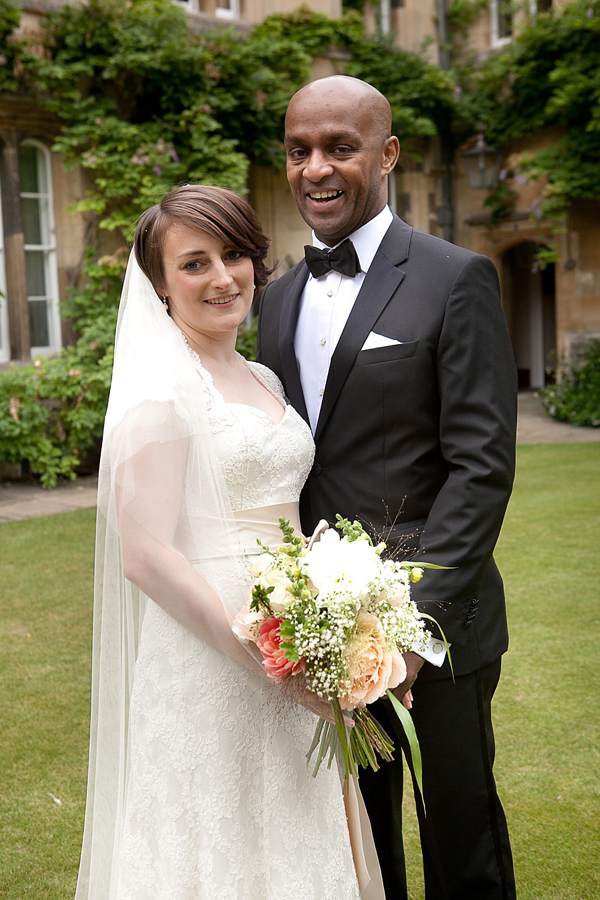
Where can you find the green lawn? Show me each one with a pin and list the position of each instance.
(45, 649)
(546, 711)
(547, 707)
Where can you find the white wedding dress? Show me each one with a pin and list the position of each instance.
(220, 804)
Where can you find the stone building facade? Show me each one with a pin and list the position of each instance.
(551, 313)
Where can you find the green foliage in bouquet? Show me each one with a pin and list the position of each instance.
(575, 397)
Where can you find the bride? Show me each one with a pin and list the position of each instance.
(198, 786)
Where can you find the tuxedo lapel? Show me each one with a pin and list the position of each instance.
(290, 308)
(380, 284)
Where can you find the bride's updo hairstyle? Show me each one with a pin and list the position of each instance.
(215, 210)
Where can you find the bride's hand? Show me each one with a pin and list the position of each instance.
(295, 688)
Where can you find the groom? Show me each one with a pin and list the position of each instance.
(395, 349)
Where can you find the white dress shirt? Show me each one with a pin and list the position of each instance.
(324, 309)
(325, 306)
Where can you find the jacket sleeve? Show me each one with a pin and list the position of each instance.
(477, 387)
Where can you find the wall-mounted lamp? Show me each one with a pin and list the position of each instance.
(482, 164)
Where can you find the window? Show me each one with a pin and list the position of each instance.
(40, 248)
(539, 6)
(501, 22)
(226, 9)
(4, 336)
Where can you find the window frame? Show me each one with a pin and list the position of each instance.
(52, 296)
(495, 39)
(4, 322)
(194, 6)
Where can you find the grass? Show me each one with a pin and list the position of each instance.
(45, 649)
(546, 707)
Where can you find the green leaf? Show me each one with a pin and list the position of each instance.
(413, 742)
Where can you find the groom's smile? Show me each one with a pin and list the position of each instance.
(336, 163)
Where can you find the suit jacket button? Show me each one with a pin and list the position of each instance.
(316, 469)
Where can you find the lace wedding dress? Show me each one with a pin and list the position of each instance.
(220, 804)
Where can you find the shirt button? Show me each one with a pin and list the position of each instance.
(323, 342)
(330, 293)
(437, 648)
(320, 393)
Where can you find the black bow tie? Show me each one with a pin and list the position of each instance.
(342, 259)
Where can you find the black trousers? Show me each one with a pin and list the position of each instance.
(464, 837)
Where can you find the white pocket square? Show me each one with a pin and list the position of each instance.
(378, 340)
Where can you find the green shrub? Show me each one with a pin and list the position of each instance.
(575, 398)
(52, 412)
(246, 340)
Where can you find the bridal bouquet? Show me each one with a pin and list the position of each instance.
(341, 615)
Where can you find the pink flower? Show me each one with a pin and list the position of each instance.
(269, 644)
(372, 668)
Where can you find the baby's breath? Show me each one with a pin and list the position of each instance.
(328, 601)
(317, 626)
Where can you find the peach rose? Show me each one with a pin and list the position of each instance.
(372, 668)
(269, 644)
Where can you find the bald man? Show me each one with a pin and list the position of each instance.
(394, 347)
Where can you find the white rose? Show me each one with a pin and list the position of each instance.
(279, 598)
(261, 564)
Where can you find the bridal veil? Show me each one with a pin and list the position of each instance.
(161, 487)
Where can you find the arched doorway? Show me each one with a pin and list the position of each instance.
(528, 296)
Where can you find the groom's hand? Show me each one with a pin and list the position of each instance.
(413, 667)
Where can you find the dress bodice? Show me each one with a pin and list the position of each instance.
(264, 462)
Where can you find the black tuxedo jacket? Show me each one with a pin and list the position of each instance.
(416, 440)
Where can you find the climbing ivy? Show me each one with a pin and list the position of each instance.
(145, 104)
(547, 77)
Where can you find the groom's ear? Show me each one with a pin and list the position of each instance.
(391, 151)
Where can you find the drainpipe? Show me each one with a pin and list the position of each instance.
(446, 210)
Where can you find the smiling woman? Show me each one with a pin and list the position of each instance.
(198, 783)
(203, 250)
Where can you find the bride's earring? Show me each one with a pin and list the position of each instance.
(165, 302)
